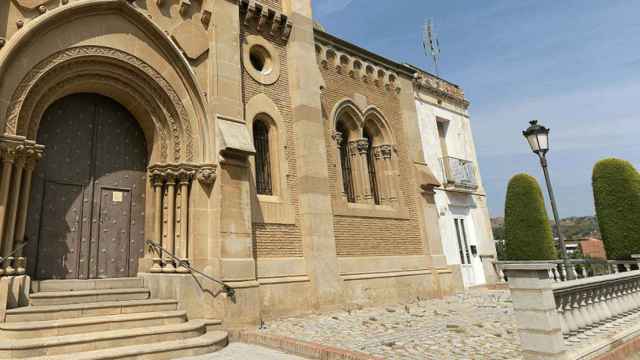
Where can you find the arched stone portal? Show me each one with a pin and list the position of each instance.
(86, 218)
(134, 63)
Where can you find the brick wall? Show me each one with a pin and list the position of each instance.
(275, 4)
(277, 240)
(370, 236)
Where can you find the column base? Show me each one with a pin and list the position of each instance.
(168, 267)
(181, 269)
(21, 264)
(156, 267)
(9, 269)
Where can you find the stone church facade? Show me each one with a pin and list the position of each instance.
(235, 134)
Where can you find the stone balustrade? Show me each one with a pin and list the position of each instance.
(575, 319)
(576, 269)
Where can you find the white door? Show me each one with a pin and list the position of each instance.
(466, 266)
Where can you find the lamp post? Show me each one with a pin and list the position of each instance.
(538, 138)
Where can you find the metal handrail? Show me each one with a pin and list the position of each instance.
(226, 288)
(18, 247)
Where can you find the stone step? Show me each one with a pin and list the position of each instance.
(91, 284)
(70, 311)
(87, 296)
(78, 343)
(84, 325)
(207, 343)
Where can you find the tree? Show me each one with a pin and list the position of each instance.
(616, 192)
(528, 234)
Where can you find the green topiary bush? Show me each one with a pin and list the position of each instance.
(528, 234)
(616, 192)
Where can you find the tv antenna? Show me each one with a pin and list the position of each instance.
(431, 44)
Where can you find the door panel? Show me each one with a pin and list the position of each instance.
(58, 257)
(95, 147)
(115, 224)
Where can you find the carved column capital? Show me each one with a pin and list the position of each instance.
(338, 137)
(386, 151)
(377, 152)
(362, 146)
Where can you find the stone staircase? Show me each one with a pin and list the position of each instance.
(103, 319)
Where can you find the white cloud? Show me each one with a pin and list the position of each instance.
(326, 7)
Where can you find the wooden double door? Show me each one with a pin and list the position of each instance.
(86, 215)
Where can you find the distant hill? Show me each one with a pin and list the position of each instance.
(574, 227)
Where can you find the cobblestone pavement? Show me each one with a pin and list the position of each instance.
(478, 324)
(241, 351)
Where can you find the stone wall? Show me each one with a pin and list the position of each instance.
(368, 233)
(276, 237)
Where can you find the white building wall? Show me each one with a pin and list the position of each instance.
(471, 205)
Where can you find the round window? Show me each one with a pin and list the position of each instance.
(260, 59)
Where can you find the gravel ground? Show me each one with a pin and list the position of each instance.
(477, 324)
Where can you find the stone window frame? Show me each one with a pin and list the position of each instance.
(275, 208)
(348, 116)
(272, 153)
(270, 76)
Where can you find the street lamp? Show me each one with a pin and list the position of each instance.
(538, 138)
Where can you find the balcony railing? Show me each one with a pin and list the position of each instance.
(459, 173)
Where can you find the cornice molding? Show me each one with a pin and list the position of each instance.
(359, 66)
(265, 19)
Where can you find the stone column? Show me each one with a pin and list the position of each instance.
(171, 218)
(360, 169)
(12, 212)
(386, 152)
(25, 195)
(537, 318)
(8, 157)
(181, 244)
(157, 181)
(338, 137)
(315, 208)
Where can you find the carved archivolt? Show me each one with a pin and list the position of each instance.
(112, 67)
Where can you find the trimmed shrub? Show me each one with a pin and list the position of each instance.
(528, 234)
(616, 192)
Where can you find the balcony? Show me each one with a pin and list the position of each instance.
(459, 173)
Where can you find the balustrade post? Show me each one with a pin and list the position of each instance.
(535, 310)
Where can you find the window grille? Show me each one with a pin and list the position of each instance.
(347, 180)
(262, 158)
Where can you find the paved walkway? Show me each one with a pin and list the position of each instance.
(241, 351)
(478, 324)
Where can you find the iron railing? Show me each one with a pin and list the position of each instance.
(459, 172)
(180, 262)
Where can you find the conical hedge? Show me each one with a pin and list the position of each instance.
(528, 234)
(616, 191)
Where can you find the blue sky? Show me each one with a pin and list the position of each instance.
(572, 64)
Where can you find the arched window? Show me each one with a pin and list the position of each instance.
(371, 165)
(262, 158)
(345, 162)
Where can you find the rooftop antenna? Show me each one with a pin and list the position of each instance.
(431, 44)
